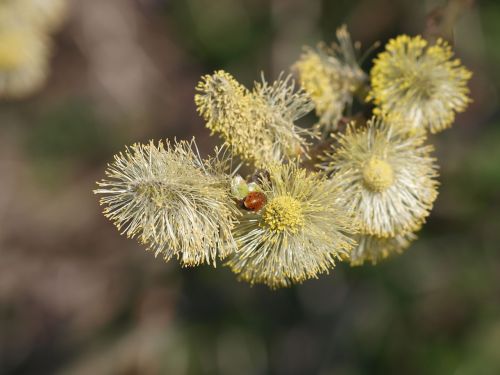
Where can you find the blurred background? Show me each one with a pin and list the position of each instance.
(78, 298)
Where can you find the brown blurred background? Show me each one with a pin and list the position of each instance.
(77, 298)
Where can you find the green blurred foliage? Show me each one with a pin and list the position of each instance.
(65, 138)
(217, 33)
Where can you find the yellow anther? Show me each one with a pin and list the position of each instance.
(378, 175)
(284, 213)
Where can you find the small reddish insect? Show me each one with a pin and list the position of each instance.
(254, 201)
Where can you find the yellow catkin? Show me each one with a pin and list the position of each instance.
(330, 76)
(175, 203)
(389, 177)
(420, 83)
(258, 125)
(300, 232)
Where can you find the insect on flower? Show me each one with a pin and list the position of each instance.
(255, 200)
(300, 232)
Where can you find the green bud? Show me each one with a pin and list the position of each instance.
(239, 187)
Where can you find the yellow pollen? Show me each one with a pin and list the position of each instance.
(12, 51)
(378, 175)
(283, 213)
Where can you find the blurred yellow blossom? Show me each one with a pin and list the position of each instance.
(24, 54)
(331, 76)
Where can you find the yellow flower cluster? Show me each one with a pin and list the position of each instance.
(298, 234)
(292, 220)
(171, 200)
(25, 50)
(390, 175)
(390, 178)
(331, 76)
(258, 125)
(420, 83)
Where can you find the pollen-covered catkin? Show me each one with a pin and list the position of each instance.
(331, 76)
(389, 177)
(420, 83)
(258, 125)
(172, 201)
(301, 231)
